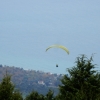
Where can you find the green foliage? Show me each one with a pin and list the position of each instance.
(34, 96)
(17, 95)
(49, 95)
(83, 83)
(7, 90)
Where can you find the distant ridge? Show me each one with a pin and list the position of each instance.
(29, 80)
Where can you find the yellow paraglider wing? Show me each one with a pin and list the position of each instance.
(58, 46)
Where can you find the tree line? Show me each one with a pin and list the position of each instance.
(81, 83)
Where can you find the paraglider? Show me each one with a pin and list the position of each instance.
(58, 46)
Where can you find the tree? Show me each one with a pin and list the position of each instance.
(7, 90)
(34, 96)
(83, 82)
(50, 95)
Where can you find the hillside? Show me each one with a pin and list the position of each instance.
(29, 80)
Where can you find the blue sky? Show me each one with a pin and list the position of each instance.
(27, 28)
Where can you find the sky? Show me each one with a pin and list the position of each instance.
(27, 28)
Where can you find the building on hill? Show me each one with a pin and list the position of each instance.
(41, 82)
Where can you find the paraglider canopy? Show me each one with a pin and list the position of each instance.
(58, 46)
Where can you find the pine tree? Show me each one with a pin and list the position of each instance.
(34, 96)
(83, 82)
(50, 95)
(7, 90)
